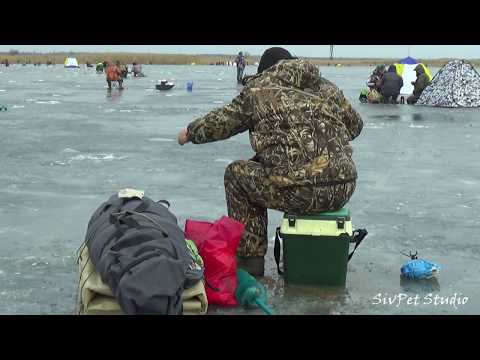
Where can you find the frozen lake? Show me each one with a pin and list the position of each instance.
(66, 146)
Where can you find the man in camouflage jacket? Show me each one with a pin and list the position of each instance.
(418, 85)
(300, 126)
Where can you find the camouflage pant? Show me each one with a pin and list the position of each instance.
(249, 195)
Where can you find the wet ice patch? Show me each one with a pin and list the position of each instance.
(50, 102)
(160, 139)
(85, 157)
(419, 126)
(218, 102)
(125, 110)
(96, 157)
(109, 110)
(69, 150)
(11, 81)
(374, 126)
(2, 90)
(18, 106)
(58, 163)
(468, 182)
(228, 161)
(14, 230)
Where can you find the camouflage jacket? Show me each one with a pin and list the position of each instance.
(422, 81)
(300, 125)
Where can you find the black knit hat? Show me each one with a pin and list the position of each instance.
(272, 56)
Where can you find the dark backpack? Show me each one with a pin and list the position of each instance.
(140, 253)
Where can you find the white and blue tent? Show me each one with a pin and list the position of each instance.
(409, 60)
(406, 69)
(71, 62)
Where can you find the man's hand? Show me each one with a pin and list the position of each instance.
(182, 137)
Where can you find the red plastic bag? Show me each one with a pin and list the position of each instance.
(217, 244)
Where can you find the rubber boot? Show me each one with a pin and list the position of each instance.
(254, 265)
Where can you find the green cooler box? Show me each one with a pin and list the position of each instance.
(315, 247)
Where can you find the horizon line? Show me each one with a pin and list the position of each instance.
(202, 54)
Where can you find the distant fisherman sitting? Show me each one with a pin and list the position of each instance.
(390, 85)
(418, 85)
(376, 78)
(300, 126)
(114, 74)
(241, 63)
(374, 95)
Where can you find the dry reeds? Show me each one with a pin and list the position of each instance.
(185, 59)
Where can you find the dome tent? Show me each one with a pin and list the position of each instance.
(71, 62)
(457, 84)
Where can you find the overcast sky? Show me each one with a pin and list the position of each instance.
(360, 51)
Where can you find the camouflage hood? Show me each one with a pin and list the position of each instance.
(419, 69)
(296, 73)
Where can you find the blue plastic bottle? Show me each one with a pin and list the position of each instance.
(189, 86)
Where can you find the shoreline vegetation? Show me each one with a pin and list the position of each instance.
(185, 59)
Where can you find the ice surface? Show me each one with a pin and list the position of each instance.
(417, 187)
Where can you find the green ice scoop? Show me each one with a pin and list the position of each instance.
(251, 293)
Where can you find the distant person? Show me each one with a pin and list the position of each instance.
(418, 85)
(390, 85)
(241, 63)
(376, 78)
(114, 74)
(7, 64)
(137, 70)
(123, 70)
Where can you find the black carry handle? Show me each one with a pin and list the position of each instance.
(357, 237)
(277, 250)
